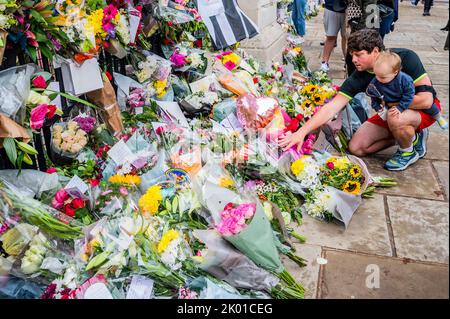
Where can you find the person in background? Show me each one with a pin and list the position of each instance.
(299, 16)
(426, 7)
(334, 22)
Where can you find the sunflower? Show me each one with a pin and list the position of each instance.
(307, 104)
(352, 187)
(310, 89)
(319, 98)
(355, 171)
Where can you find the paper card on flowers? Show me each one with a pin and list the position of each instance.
(173, 110)
(140, 288)
(205, 84)
(76, 186)
(218, 128)
(120, 153)
(232, 123)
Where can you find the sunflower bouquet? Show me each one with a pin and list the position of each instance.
(342, 174)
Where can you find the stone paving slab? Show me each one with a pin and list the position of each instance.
(417, 181)
(307, 276)
(420, 228)
(366, 233)
(345, 277)
(443, 171)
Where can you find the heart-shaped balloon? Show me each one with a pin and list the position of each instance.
(256, 112)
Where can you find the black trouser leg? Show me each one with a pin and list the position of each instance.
(428, 4)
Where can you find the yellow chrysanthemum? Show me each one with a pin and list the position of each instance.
(231, 57)
(355, 171)
(352, 187)
(95, 21)
(297, 49)
(150, 201)
(166, 239)
(226, 182)
(341, 163)
(127, 180)
(160, 87)
(298, 166)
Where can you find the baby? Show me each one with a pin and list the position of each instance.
(391, 87)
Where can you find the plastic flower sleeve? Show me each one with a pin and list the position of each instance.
(209, 290)
(228, 264)
(34, 182)
(14, 90)
(258, 243)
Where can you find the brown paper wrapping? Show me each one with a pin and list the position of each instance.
(9, 128)
(117, 49)
(3, 36)
(106, 100)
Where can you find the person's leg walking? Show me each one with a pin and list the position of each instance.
(299, 16)
(427, 7)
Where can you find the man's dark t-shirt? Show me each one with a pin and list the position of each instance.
(360, 80)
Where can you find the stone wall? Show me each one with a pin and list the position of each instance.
(271, 41)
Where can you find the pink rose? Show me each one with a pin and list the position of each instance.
(51, 170)
(39, 82)
(178, 60)
(37, 116)
(61, 196)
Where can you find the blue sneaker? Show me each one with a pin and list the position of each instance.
(401, 161)
(420, 143)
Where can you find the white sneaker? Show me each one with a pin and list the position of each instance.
(325, 67)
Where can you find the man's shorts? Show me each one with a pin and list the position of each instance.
(427, 120)
(334, 22)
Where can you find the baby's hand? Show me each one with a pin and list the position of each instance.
(394, 112)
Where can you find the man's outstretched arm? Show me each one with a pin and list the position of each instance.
(326, 113)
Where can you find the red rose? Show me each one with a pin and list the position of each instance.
(69, 211)
(39, 82)
(255, 80)
(198, 43)
(94, 182)
(78, 203)
(51, 170)
(299, 117)
(170, 23)
(51, 111)
(330, 165)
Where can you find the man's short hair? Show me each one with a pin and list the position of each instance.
(365, 39)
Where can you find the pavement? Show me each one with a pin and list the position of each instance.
(397, 244)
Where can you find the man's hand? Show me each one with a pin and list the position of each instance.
(289, 140)
(394, 112)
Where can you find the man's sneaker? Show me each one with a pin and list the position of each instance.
(442, 123)
(401, 161)
(325, 67)
(420, 143)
